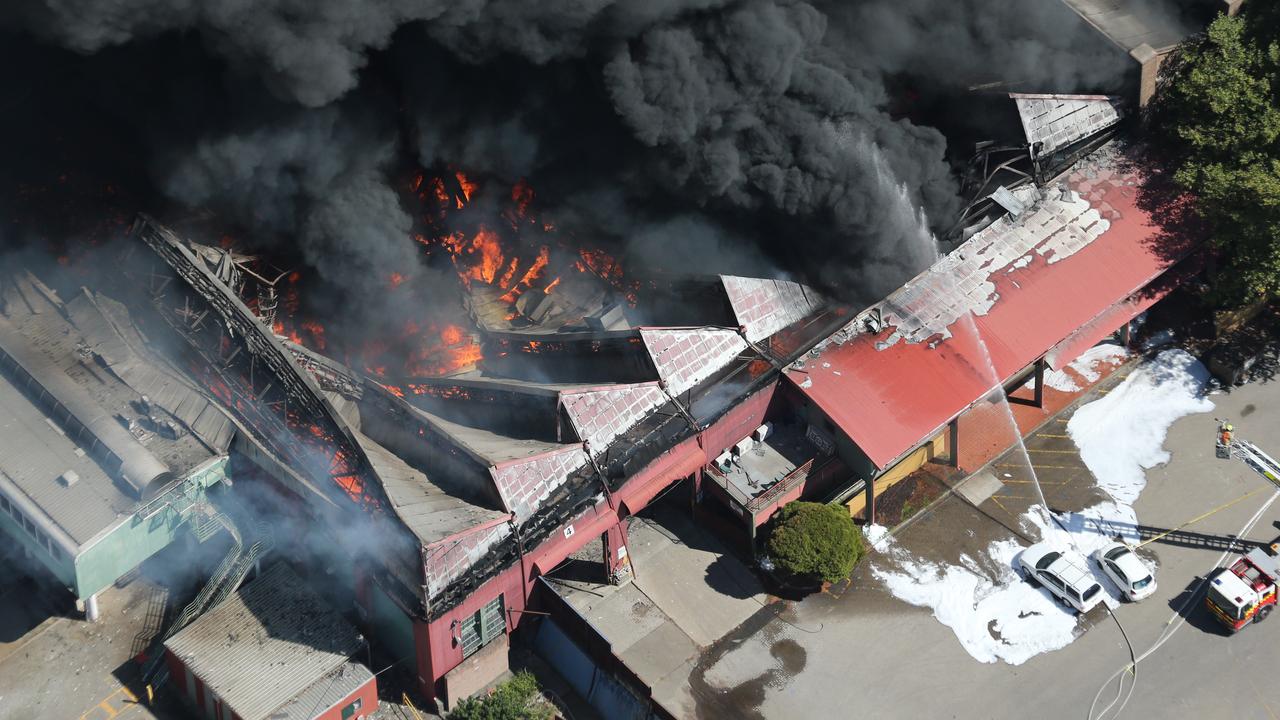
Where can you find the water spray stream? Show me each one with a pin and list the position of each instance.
(1003, 404)
(920, 248)
(998, 395)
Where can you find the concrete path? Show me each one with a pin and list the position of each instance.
(687, 593)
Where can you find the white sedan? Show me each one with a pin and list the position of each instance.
(1126, 570)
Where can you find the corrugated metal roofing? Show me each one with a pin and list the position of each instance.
(765, 306)
(325, 693)
(426, 509)
(110, 334)
(685, 357)
(1060, 120)
(34, 453)
(524, 483)
(267, 644)
(890, 391)
(1130, 23)
(600, 415)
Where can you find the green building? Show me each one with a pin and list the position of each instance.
(106, 448)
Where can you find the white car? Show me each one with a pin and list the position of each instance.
(1063, 573)
(1126, 570)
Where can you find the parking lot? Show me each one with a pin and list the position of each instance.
(867, 650)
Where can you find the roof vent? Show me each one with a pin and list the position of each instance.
(69, 478)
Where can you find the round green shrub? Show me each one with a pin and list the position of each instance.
(815, 540)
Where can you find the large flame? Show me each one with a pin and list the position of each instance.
(504, 260)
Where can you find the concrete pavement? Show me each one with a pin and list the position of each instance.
(864, 653)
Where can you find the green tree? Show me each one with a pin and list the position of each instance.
(815, 540)
(516, 699)
(1220, 110)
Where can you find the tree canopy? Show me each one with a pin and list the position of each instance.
(815, 540)
(1220, 112)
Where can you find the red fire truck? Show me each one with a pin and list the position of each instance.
(1246, 591)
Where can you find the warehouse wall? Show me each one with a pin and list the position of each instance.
(125, 545)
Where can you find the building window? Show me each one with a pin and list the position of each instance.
(350, 710)
(4, 503)
(487, 624)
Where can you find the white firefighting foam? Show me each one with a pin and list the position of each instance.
(994, 614)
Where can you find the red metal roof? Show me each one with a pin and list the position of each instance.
(890, 391)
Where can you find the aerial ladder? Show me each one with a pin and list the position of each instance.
(1229, 445)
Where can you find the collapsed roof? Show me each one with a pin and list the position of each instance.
(1053, 122)
(451, 457)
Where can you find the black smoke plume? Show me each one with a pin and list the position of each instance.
(754, 136)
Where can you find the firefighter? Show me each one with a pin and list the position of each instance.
(1223, 449)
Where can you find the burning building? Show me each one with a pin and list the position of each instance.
(466, 487)
(515, 394)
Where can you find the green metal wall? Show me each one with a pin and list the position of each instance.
(135, 539)
(393, 629)
(61, 568)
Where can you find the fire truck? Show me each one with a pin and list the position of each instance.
(1246, 591)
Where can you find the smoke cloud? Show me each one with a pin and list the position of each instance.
(765, 126)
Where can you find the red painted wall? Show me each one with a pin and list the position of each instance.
(437, 651)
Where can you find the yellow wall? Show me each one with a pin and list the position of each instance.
(909, 464)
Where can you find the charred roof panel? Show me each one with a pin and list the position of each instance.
(427, 509)
(526, 483)
(764, 306)
(600, 415)
(989, 309)
(685, 357)
(1058, 224)
(1057, 121)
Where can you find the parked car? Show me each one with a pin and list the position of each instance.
(1126, 570)
(1064, 573)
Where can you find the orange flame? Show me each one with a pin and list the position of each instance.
(522, 196)
(279, 329)
(395, 279)
(466, 186)
(437, 189)
(452, 335)
(316, 331)
(510, 273)
(490, 247)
